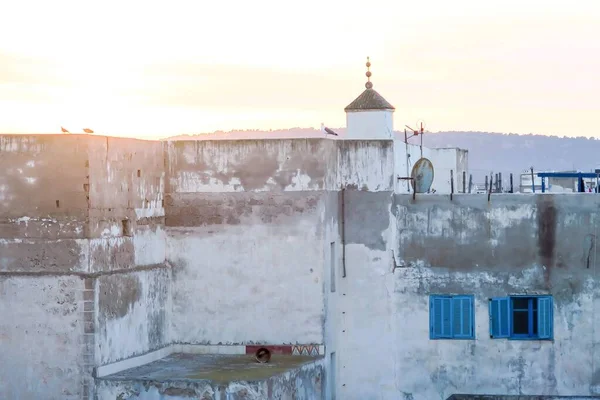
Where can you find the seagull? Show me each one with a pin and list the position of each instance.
(330, 132)
(88, 130)
(327, 131)
(64, 130)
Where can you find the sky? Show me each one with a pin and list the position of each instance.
(153, 69)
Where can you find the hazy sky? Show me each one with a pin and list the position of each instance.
(150, 68)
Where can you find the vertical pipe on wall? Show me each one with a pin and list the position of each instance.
(511, 183)
(343, 232)
(543, 184)
(464, 182)
(470, 182)
(407, 161)
(451, 184)
(532, 181)
(500, 189)
(486, 183)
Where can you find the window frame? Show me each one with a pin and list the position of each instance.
(541, 299)
(452, 298)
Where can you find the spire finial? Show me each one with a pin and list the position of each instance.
(369, 84)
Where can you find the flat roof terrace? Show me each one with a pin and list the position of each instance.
(216, 376)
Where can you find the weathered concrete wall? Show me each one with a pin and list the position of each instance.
(244, 253)
(133, 314)
(41, 331)
(363, 300)
(76, 204)
(250, 165)
(515, 244)
(42, 218)
(126, 204)
(251, 264)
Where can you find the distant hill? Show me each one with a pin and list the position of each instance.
(497, 152)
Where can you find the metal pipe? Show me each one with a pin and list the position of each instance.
(343, 232)
(451, 184)
(500, 188)
(543, 185)
(532, 181)
(464, 183)
(262, 355)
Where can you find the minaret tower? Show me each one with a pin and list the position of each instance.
(369, 116)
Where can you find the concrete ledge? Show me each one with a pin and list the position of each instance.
(133, 362)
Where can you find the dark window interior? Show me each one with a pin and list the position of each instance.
(525, 316)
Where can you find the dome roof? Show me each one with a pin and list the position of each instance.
(369, 100)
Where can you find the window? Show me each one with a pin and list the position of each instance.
(451, 317)
(521, 317)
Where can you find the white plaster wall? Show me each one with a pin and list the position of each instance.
(250, 283)
(133, 314)
(365, 331)
(41, 330)
(366, 165)
(445, 160)
(332, 309)
(369, 125)
(150, 245)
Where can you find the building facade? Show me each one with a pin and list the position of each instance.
(116, 252)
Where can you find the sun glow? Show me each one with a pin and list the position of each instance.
(153, 68)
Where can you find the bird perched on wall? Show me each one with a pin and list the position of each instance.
(327, 131)
(88, 130)
(64, 130)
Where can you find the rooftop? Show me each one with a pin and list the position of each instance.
(216, 368)
(369, 100)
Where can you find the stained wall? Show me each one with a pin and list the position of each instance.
(77, 221)
(245, 224)
(514, 244)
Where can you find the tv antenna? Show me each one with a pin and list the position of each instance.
(415, 132)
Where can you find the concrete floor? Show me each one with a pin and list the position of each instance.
(215, 377)
(217, 368)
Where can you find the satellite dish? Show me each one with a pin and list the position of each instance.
(422, 176)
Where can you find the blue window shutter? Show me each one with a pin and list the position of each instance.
(440, 311)
(446, 317)
(545, 317)
(462, 317)
(457, 317)
(500, 317)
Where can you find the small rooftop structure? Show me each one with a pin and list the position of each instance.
(369, 116)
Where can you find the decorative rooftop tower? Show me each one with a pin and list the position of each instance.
(369, 116)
